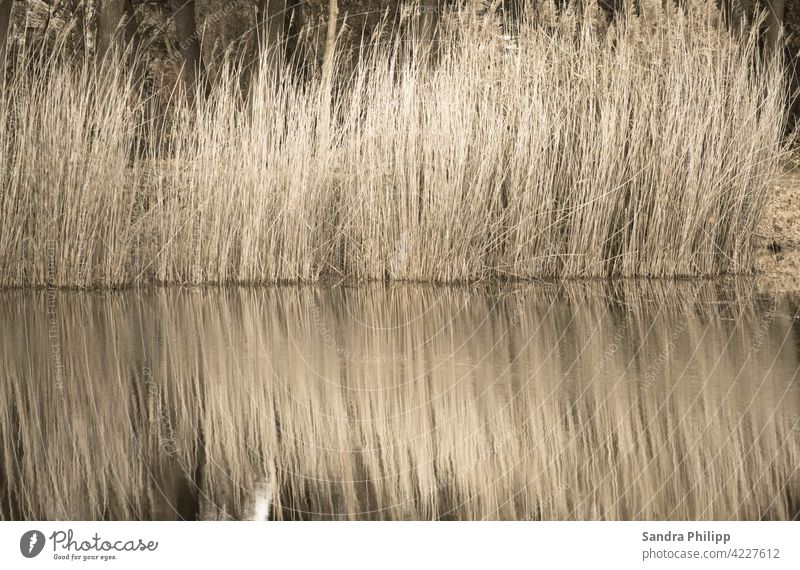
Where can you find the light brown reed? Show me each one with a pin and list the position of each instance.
(645, 148)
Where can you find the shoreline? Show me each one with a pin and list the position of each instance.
(777, 261)
(759, 285)
(779, 257)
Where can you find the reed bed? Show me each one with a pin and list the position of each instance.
(573, 149)
(402, 402)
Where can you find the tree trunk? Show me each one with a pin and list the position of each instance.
(78, 41)
(326, 87)
(775, 13)
(428, 20)
(188, 42)
(271, 28)
(742, 13)
(112, 15)
(6, 7)
(330, 40)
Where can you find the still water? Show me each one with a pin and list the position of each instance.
(545, 401)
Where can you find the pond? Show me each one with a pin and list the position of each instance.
(544, 401)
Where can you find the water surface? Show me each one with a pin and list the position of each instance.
(546, 401)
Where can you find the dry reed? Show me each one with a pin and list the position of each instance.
(644, 148)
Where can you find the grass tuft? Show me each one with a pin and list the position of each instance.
(574, 149)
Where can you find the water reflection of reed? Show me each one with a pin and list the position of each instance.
(551, 402)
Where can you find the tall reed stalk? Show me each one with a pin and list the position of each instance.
(575, 149)
(69, 189)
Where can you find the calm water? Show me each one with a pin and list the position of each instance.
(405, 402)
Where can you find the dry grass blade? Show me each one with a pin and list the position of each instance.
(644, 148)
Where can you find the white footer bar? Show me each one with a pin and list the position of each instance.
(404, 545)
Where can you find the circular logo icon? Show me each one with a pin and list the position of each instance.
(31, 543)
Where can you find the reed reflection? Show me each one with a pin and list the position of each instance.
(403, 402)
